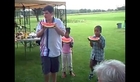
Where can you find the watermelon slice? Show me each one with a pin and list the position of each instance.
(66, 40)
(93, 38)
(47, 24)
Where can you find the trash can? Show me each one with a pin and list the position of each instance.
(119, 25)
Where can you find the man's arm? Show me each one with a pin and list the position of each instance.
(39, 30)
(62, 44)
(60, 28)
(59, 31)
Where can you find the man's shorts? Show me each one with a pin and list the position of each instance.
(50, 64)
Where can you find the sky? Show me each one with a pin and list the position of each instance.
(94, 4)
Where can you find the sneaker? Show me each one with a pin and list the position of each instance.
(72, 74)
(90, 76)
(63, 74)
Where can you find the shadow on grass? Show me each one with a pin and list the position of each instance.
(30, 56)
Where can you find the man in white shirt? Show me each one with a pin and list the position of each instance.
(50, 43)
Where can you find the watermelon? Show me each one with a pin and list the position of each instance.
(93, 38)
(47, 24)
(66, 40)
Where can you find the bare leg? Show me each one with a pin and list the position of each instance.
(91, 65)
(91, 69)
(54, 77)
(69, 61)
(47, 77)
(64, 56)
(69, 58)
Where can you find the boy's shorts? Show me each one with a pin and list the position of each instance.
(94, 61)
(50, 64)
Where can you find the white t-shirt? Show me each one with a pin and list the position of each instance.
(54, 40)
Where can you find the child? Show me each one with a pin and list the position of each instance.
(67, 54)
(97, 53)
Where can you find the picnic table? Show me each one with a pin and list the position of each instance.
(25, 41)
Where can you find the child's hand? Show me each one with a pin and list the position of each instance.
(68, 42)
(71, 44)
(88, 39)
(98, 41)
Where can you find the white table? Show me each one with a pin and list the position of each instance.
(29, 39)
(25, 41)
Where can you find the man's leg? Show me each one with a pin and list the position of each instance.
(54, 77)
(46, 67)
(54, 68)
(47, 76)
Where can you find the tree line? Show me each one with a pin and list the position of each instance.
(95, 10)
(37, 12)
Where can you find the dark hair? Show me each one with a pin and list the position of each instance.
(68, 30)
(48, 8)
(99, 27)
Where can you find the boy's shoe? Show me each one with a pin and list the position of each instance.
(90, 76)
(71, 73)
(63, 74)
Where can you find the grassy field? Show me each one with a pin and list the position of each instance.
(29, 69)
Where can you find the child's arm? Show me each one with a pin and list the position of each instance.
(101, 43)
(71, 43)
(91, 44)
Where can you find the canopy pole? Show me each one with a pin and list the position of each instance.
(25, 43)
(55, 10)
(65, 17)
(29, 19)
(23, 8)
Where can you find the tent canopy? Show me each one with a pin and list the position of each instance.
(38, 3)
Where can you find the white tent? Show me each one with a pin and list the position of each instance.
(30, 4)
(38, 3)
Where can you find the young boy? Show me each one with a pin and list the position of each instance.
(67, 54)
(97, 53)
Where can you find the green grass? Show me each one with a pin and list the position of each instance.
(29, 69)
